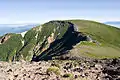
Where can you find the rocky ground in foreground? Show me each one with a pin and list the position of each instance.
(61, 70)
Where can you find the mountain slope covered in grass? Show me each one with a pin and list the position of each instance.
(69, 39)
(106, 39)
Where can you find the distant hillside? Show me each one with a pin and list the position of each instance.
(70, 39)
(106, 39)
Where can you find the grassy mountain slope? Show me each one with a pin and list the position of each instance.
(38, 40)
(107, 37)
(65, 35)
(10, 45)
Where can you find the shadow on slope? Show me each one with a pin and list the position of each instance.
(62, 46)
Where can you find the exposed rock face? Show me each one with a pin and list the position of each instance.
(51, 38)
(44, 42)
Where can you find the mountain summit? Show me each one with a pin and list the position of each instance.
(71, 39)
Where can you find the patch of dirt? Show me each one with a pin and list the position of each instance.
(51, 38)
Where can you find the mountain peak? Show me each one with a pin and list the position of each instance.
(69, 39)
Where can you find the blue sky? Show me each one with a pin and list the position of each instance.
(40, 11)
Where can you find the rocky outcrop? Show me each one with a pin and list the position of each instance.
(84, 69)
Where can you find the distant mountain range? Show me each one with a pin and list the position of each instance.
(15, 28)
(113, 23)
